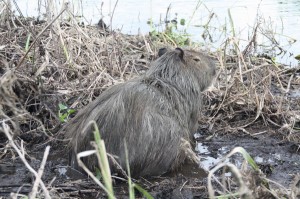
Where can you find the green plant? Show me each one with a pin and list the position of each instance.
(103, 162)
(104, 172)
(64, 112)
(171, 34)
(27, 42)
(243, 188)
(131, 185)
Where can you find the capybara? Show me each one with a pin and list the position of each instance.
(156, 115)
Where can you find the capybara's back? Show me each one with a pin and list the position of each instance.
(155, 115)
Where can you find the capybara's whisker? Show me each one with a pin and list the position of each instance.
(155, 114)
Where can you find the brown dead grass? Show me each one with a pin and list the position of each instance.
(253, 90)
(73, 64)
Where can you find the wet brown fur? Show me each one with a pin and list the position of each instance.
(155, 114)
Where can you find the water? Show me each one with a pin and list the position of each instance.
(207, 160)
(295, 93)
(279, 19)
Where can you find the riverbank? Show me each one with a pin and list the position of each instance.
(51, 69)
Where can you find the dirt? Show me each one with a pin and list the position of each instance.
(279, 160)
(266, 101)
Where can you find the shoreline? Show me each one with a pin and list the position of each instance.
(71, 65)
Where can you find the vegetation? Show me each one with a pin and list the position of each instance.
(171, 34)
(64, 112)
(73, 64)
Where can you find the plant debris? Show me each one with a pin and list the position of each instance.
(46, 65)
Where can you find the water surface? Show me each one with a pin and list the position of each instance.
(278, 19)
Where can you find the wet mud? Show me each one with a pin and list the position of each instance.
(275, 147)
(279, 160)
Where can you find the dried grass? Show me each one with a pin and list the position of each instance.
(74, 64)
(254, 90)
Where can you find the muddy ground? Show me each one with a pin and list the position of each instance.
(254, 104)
(279, 160)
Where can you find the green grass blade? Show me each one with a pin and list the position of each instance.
(143, 191)
(103, 161)
(231, 23)
(246, 156)
(130, 184)
(27, 42)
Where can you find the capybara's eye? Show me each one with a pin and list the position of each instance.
(196, 59)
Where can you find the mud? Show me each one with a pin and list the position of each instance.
(279, 160)
(233, 103)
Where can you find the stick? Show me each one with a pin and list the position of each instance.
(33, 43)
(6, 130)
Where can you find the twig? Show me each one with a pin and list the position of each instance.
(40, 173)
(289, 84)
(38, 36)
(243, 189)
(183, 185)
(112, 15)
(82, 165)
(6, 130)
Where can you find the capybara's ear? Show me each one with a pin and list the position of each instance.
(180, 52)
(162, 51)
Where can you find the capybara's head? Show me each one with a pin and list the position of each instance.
(186, 68)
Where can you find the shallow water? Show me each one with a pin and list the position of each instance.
(295, 93)
(279, 19)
